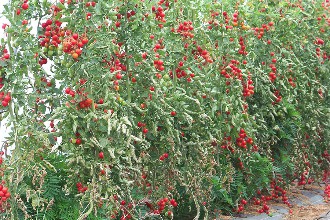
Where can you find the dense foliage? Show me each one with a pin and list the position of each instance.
(162, 109)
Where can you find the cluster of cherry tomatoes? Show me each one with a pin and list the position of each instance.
(4, 192)
(5, 99)
(81, 188)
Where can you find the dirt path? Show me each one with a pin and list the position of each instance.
(308, 203)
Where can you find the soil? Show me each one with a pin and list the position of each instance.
(308, 211)
(311, 212)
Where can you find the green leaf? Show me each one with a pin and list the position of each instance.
(51, 139)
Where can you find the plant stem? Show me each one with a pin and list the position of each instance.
(128, 85)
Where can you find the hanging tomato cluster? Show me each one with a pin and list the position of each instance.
(243, 139)
(278, 97)
(248, 88)
(260, 31)
(5, 99)
(186, 29)
(159, 13)
(73, 44)
(327, 193)
(199, 52)
(159, 65)
(242, 49)
(162, 203)
(54, 36)
(304, 179)
(277, 193)
(81, 188)
(4, 191)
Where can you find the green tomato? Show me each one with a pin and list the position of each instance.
(168, 84)
(50, 53)
(70, 63)
(73, 140)
(280, 115)
(166, 77)
(59, 52)
(57, 61)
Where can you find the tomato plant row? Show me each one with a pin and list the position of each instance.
(162, 109)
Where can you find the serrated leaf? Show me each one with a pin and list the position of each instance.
(51, 139)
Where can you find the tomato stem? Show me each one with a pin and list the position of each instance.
(128, 86)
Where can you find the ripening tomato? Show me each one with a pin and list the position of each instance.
(101, 155)
(25, 6)
(78, 141)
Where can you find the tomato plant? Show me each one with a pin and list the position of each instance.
(144, 109)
